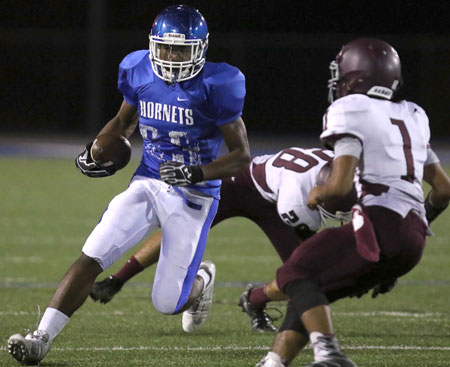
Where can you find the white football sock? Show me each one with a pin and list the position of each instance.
(323, 349)
(274, 356)
(53, 321)
(314, 336)
(205, 276)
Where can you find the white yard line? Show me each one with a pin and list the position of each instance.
(393, 314)
(230, 347)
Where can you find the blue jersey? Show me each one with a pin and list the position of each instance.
(181, 122)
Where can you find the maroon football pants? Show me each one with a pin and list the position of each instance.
(332, 260)
(240, 198)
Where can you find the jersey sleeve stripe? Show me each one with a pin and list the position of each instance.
(328, 140)
(259, 175)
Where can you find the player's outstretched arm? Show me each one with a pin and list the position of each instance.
(238, 156)
(438, 198)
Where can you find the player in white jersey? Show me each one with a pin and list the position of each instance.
(397, 133)
(186, 107)
(287, 177)
(389, 141)
(272, 192)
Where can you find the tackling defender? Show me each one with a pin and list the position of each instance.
(389, 141)
(185, 107)
(272, 192)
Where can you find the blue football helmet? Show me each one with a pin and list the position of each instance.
(178, 43)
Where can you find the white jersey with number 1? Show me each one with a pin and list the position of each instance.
(395, 140)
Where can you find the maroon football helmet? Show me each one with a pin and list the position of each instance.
(338, 208)
(366, 66)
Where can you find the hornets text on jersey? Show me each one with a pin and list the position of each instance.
(181, 121)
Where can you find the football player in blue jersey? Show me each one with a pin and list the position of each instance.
(185, 108)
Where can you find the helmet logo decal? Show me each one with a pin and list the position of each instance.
(381, 92)
(176, 36)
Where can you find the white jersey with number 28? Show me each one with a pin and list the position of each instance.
(286, 178)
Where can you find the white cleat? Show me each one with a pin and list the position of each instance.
(196, 315)
(30, 349)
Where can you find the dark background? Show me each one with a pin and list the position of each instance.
(59, 59)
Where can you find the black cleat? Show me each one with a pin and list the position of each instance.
(261, 321)
(105, 290)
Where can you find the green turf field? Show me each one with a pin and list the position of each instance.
(47, 209)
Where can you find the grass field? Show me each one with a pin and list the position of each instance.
(47, 209)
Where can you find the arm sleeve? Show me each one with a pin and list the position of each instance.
(124, 85)
(431, 157)
(347, 146)
(134, 71)
(228, 97)
(344, 119)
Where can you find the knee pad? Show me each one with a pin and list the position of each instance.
(305, 295)
(292, 321)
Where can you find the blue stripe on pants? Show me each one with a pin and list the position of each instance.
(195, 264)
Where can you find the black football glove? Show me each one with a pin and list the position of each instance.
(179, 174)
(431, 212)
(383, 288)
(88, 167)
(359, 293)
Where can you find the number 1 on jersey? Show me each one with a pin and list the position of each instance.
(406, 149)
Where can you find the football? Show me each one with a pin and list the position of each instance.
(111, 150)
(343, 204)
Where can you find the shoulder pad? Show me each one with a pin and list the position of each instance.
(221, 73)
(133, 59)
(415, 109)
(351, 103)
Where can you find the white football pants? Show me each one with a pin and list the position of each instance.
(185, 219)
